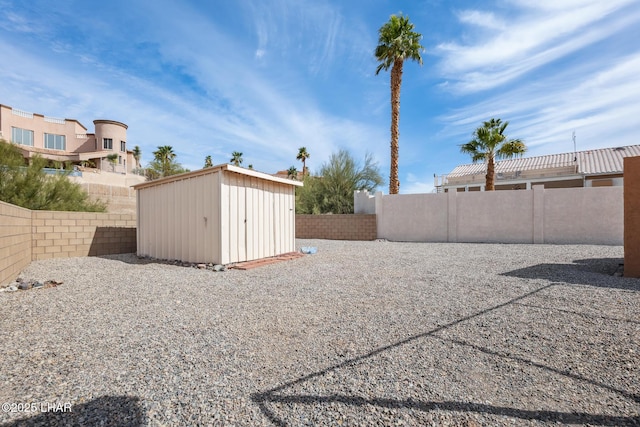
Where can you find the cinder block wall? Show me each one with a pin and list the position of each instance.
(27, 236)
(71, 234)
(15, 240)
(336, 227)
(632, 217)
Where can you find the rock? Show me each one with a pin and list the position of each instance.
(38, 285)
(12, 288)
(201, 266)
(219, 267)
(25, 286)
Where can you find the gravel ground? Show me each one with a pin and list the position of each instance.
(362, 333)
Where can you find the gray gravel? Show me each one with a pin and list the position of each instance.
(362, 333)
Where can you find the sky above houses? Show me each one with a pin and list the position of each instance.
(265, 77)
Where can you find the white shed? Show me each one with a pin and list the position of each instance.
(221, 215)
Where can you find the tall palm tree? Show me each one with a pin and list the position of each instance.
(236, 158)
(137, 154)
(164, 155)
(303, 155)
(292, 173)
(490, 143)
(397, 42)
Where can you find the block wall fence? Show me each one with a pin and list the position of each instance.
(336, 227)
(590, 215)
(27, 236)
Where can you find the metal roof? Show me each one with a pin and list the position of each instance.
(590, 162)
(217, 168)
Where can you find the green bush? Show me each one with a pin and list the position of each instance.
(30, 187)
(332, 190)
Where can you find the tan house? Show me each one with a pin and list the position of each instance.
(591, 168)
(67, 140)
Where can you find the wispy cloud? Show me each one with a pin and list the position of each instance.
(526, 39)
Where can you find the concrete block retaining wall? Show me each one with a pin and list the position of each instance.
(27, 236)
(15, 240)
(336, 227)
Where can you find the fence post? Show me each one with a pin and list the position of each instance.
(452, 216)
(379, 211)
(538, 214)
(631, 216)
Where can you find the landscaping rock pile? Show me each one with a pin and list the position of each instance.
(25, 284)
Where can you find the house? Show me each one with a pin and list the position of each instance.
(591, 168)
(221, 214)
(67, 140)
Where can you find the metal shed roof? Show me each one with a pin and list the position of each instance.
(222, 167)
(590, 162)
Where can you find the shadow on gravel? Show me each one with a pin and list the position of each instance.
(593, 272)
(546, 416)
(276, 396)
(124, 411)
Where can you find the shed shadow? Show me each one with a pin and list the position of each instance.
(116, 411)
(113, 240)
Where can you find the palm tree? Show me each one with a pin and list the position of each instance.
(292, 173)
(208, 162)
(490, 143)
(137, 154)
(303, 155)
(397, 42)
(113, 159)
(165, 156)
(236, 158)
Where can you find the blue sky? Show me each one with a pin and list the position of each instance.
(267, 77)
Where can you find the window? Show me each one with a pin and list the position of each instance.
(107, 143)
(22, 136)
(55, 142)
(123, 146)
(119, 160)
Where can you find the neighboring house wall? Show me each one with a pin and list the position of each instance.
(15, 241)
(632, 217)
(27, 236)
(71, 142)
(562, 216)
(336, 227)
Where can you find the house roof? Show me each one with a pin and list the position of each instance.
(217, 168)
(590, 162)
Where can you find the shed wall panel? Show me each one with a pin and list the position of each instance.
(180, 220)
(220, 217)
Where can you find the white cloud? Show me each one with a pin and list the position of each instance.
(534, 37)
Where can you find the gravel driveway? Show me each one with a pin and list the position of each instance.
(361, 333)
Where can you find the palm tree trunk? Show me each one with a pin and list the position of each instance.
(490, 174)
(396, 82)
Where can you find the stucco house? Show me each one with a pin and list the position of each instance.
(67, 140)
(591, 168)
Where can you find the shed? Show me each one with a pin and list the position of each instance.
(222, 214)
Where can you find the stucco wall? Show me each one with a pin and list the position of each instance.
(563, 216)
(593, 215)
(413, 217)
(632, 217)
(15, 240)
